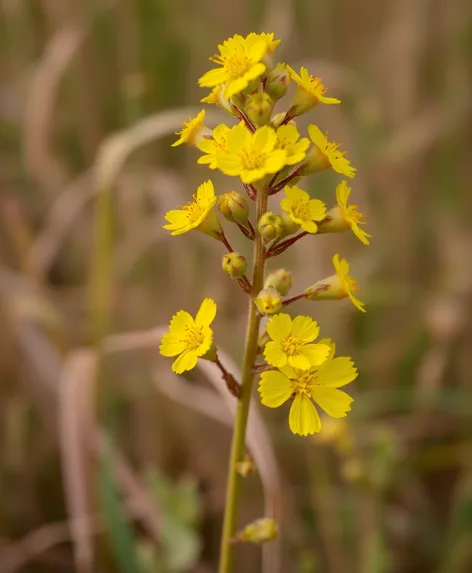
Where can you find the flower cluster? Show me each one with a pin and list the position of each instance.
(267, 153)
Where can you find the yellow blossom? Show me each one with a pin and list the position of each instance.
(193, 130)
(336, 287)
(212, 146)
(189, 338)
(310, 91)
(292, 342)
(251, 156)
(270, 43)
(240, 61)
(318, 384)
(197, 214)
(288, 138)
(326, 154)
(216, 97)
(302, 209)
(344, 216)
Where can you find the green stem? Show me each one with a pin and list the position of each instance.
(242, 412)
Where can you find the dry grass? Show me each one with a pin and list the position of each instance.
(89, 94)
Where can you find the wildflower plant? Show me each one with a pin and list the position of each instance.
(268, 154)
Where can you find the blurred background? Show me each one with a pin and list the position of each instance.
(109, 463)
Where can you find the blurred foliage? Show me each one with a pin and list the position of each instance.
(75, 72)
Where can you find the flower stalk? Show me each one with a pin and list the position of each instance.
(238, 445)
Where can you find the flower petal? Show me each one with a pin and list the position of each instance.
(279, 326)
(299, 361)
(316, 354)
(275, 388)
(303, 419)
(305, 328)
(274, 355)
(171, 345)
(180, 321)
(186, 361)
(333, 401)
(206, 313)
(337, 372)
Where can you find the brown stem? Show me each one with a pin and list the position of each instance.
(240, 113)
(280, 247)
(245, 284)
(232, 384)
(287, 180)
(286, 119)
(249, 232)
(225, 242)
(251, 192)
(293, 299)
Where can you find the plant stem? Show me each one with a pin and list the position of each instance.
(242, 412)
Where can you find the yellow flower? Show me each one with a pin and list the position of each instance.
(213, 146)
(270, 43)
(344, 216)
(251, 155)
(326, 154)
(288, 139)
(193, 130)
(336, 287)
(302, 209)
(240, 61)
(216, 97)
(292, 342)
(197, 214)
(317, 384)
(189, 338)
(310, 92)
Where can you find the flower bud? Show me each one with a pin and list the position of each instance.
(281, 280)
(234, 207)
(277, 81)
(268, 301)
(234, 264)
(259, 108)
(290, 227)
(246, 466)
(270, 226)
(259, 531)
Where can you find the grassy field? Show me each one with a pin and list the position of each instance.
(109, 463)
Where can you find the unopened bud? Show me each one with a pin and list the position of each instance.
(261, 530)
(234, 264)
(246, 466)
(277, 82)
(259, 108)
(268, 301)
(281, 280)
(234, 207)
(270, 226)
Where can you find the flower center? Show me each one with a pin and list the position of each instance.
(353, 214)
(304, 383)
(301, 209)
(237, 65)
(252, 160)
(192, 210)
(291, 345)
(193, 337)
(352, 284)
